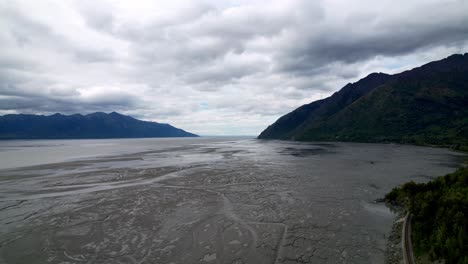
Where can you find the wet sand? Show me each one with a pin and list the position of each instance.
(240, 201)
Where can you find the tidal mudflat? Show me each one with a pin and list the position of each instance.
(204, 200)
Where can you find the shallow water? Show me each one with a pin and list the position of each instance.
(202, 200)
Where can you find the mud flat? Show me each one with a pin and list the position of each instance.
(219, 201)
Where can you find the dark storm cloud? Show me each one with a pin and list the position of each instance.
(205, 65)
(385, 38)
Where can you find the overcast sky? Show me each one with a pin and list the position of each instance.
(210, 67)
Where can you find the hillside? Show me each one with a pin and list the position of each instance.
(96, 125)
(426, 105)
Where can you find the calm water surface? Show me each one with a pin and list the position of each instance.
(202, 200)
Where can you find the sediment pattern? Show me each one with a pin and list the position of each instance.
(232, 202)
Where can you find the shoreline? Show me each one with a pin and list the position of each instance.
(394, 251)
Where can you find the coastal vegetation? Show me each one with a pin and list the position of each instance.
(440, 215)
(423, 106)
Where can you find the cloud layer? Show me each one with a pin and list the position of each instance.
(210, 67)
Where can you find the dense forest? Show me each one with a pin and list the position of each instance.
(440, 215)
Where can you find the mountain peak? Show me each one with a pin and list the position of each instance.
(97, 114)
(425, 105)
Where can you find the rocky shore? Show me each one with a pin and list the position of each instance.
(394, 252)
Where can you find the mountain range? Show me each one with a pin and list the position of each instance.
(96, 125)
(425, 105)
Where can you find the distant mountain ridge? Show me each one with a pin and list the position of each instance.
(425, 105)
(95, 125)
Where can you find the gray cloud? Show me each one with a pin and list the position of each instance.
(211, 67)
(362, 37)
(52, 102)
